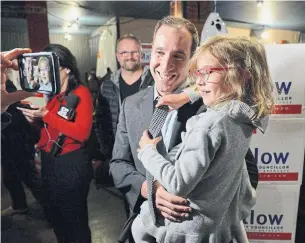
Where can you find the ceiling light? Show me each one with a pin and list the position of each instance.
(67, 36)
(72, 14)
(67, 28)
(266, 14)
(260, 3)
(265, 35)
(75, 26)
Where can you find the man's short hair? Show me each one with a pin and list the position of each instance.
(178, 22)
(128, 37)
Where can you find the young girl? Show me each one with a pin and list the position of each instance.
(44, 72)
(232, 77)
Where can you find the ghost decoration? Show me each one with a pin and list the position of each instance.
(214, 25)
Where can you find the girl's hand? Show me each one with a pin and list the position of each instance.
(32, 115)
(145, 139)
(174, 101)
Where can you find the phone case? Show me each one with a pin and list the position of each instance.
(56, 73)
(28, 72)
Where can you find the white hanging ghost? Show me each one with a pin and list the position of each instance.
(214, 25)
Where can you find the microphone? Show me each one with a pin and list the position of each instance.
(67, 112)
(56, 147)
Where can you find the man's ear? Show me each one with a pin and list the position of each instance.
(67, 70)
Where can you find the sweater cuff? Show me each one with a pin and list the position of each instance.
(192, 94)
(145, 149)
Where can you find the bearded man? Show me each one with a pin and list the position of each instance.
(128, 80)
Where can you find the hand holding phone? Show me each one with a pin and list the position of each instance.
(39, 72)
(27, 106)
(33, 112)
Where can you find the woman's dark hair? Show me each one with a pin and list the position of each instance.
(66, 60)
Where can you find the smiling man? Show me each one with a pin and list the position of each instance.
(174, 42)
(128, 80)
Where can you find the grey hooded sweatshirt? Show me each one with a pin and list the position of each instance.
(208, 169)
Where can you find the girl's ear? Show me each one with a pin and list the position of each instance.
(67, 70)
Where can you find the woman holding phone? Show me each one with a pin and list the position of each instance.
(65, 167)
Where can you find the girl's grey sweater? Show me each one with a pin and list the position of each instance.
(209, 170)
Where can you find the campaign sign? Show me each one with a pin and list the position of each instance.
(273, 218)
(286, 64)
(279, 152)
(146, 53)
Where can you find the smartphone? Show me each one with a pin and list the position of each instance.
(26, 106)
(39, 72)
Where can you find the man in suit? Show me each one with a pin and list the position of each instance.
(174, 42)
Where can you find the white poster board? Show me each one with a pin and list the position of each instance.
(279, 152)
(273, 218)
(146, 54)
(286, 64)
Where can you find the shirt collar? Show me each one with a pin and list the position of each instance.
(177, 91)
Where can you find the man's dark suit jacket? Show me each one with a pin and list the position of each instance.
(127, 171)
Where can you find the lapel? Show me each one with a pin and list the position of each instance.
(184, 113)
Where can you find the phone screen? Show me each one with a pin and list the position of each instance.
(38, 72)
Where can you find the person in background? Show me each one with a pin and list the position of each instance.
(28, 69)
(93, 85)
(128, 80)
(33, 80)
(66, 170)
(17, 159)
(208, 167)
(6, 97)
(93, 146)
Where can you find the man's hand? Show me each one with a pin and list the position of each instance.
(170, 206)
(6, 62)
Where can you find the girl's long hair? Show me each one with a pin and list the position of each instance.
(245, 56)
